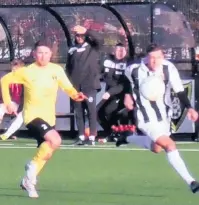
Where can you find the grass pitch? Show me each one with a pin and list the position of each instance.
(100, 175)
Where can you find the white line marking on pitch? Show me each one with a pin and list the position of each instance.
(4, 144)
(31, 144)
(186, 142)
(95, 148)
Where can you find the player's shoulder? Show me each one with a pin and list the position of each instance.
(19, 71)
(168, 63)
(170, 66)
(131, 67)
(56, 69)
(55, 66)
(30, 66)
(134, 64)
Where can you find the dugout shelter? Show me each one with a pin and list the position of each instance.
(174, 24)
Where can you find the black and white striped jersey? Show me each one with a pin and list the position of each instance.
(160, 110)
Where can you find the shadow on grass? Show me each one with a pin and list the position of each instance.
(105, 193)
(81, 192)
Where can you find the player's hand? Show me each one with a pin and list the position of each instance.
(12, 108)
(80, 97)
(79, 29)
(192, 114)
(128, 102)
(106, 96)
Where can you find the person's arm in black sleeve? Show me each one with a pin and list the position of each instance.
(68, 66)
(114, 90)
(178, 88)
(94, 39)
(128, 87)
(184, 99)
(124, 86)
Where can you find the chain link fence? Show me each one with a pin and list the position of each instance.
(174, 24)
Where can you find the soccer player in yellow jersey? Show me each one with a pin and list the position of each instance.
(41, 81)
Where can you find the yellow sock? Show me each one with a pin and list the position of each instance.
(40, 166)
(42, 156)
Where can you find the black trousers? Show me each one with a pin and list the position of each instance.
(107, 112)
(113, 112)
(90, 106)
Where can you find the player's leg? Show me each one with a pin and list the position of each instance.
(139, 140)
(101, 115)
(160, 134)
(79, 115)
(107, 111)
(49, 140)
(92, 115)
(52, 142)
(15, 125)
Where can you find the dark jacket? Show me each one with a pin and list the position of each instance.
(83, 63)
(114, 75)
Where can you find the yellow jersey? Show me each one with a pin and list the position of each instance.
(40, 90)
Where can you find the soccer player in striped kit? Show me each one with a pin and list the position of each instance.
(153, 117)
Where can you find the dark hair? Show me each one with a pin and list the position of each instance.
(153, 47)
(17, 62)
(43, 42)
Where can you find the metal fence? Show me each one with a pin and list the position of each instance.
(174, 24)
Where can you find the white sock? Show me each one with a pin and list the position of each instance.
(16, 124)
(140, 140)
(92, 138)
(82, 137)
(178, 164)
(31, 171)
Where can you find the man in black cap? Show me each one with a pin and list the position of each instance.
(84, 72)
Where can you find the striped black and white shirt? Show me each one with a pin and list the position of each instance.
(160, 110)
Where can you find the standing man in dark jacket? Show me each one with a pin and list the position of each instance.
(84, 72)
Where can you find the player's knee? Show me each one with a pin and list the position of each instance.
(156, 149)
(56, 142)
(166, 143)
(54, 139)
(171, 146)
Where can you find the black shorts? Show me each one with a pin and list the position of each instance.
(38, 128)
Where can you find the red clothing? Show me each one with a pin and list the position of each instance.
(16, 91)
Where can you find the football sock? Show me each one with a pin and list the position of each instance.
(82, 137)
(92, 138)
(43, 154)
(178, 164)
